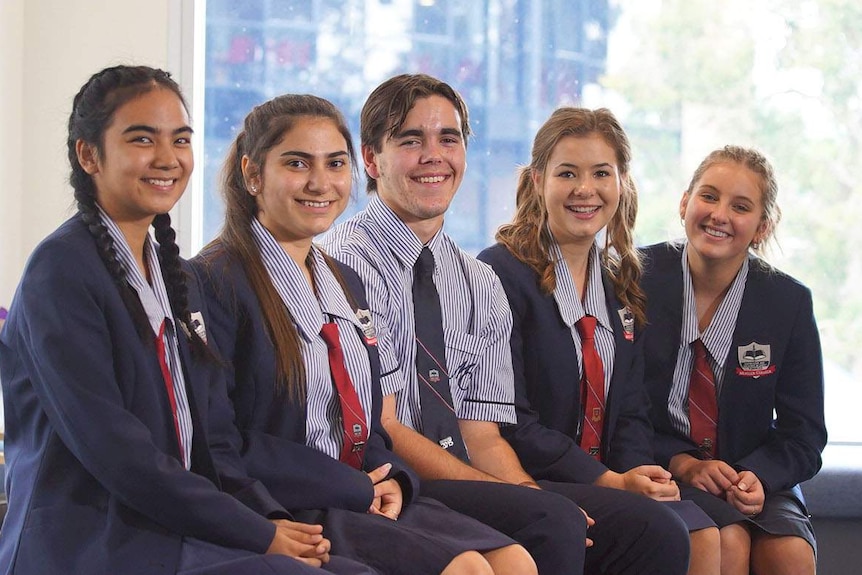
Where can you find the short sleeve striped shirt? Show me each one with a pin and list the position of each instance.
(477, 321)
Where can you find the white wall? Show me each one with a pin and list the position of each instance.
(48, 49)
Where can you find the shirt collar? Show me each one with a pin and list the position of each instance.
(566, 294)
(400, 239)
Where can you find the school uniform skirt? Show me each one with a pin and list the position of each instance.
(424, 539)
(782, 513)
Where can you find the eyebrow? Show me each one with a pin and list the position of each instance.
(570, 165)
(308, 156)
(154, 131)
(419, 133)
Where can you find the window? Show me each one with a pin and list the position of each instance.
(684, 78)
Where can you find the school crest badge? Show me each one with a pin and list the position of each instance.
(755, 360)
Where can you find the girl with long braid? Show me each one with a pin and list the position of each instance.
(108, 375)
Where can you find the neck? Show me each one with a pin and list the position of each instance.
(135, 234)
(426, 229)
(577, 258)
(711, 281)
(298, 251)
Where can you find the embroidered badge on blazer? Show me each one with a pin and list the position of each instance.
(628, 320)
(363, 316)
(754, 360)
(196, 322)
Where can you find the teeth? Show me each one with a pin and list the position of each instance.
(583, 209)
(163, 183)
(311, 204)
(716, 233)
(431, 179)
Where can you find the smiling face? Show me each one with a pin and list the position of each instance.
(419, 169)
(146, 158)
(581, 189)
(304, 185)
(723, 214)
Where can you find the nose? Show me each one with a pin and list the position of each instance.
(431, 152)
(166, 157)
(720, 212)
(582, 188)
(318, 180)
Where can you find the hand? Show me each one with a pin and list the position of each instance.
(747, 495)
(301, 541)
(388, 498)
(653, 481)
(713, 475)
(590, 523)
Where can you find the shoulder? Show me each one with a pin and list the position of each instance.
(661, 256)
(68, 254)
(760, 273)
(506, 264)
(351, 236)
(220, 273)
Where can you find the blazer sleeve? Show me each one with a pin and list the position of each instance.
(792, 452)
(632, 438)
(544, 452)
(71, 317)
(221, 430)
(297, 476)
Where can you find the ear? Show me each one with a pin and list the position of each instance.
(88, 156)
(683, 203)
(369, 158)
(762, 233)
(537, 177)
(251, 175)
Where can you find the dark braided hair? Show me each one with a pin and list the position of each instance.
(93, 109)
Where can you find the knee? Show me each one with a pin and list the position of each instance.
(468, 563)
(511, 560)
(784, 555)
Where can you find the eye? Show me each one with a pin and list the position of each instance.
(451, 140)
(141, 140)
(337, 163)
(602, 173)
(184, 141)
(295, 163)
(742, 208)
(410, 142)
(566, 174)
(708, 196)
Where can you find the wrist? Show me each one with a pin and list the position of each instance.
(611, 479)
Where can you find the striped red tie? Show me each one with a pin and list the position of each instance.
(169, 385)
(352, 416)
(592, 389)
(702, 403)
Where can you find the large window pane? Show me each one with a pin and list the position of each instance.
(683, 77)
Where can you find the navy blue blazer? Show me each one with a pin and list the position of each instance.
(777, 311)
(93, 474)
(271, 436)
(547, 388)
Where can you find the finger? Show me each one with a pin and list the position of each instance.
(380, 473)
(298, 527)
(310, 561)
(589, 542)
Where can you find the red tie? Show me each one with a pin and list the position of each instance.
(169, 385)
(592, 389)
(702, 403)
(352, 416)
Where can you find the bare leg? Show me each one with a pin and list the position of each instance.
(468, 563)
(511, 560)
(705, 552)
(735, 549)
(781, 555)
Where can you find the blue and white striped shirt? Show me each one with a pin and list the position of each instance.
(572, 310)
(477, 321)
(309, 312)
(717, 338)
(154, 299)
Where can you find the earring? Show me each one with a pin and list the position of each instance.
(253, 190)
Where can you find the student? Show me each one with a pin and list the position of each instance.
(413, 131)
(278, 305)
(720, 317)
(561, 283)
(108, 372)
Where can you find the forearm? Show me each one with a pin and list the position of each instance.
(495, 457)
(428, 459)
